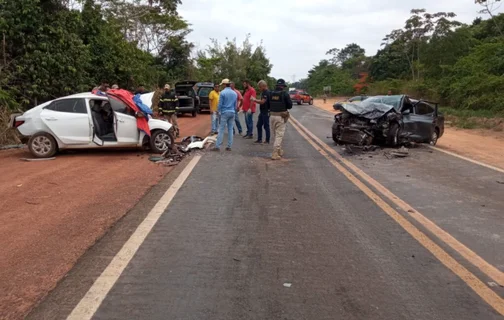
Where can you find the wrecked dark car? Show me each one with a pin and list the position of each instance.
(390, 120)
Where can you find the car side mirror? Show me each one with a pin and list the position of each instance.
(406, 112)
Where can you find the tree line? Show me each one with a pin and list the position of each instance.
(433, 56)
(52, 48)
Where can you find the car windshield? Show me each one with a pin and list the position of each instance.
(394, 101)
(292, 92)
(204, 92)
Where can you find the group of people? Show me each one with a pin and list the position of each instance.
(226, 104)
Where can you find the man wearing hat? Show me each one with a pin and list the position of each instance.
(227, 112)
(168, 105)
(279, 103)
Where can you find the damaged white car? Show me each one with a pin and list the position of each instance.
(87, 120)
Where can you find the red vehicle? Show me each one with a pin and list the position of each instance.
(300, 97)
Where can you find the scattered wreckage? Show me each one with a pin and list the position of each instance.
(390, 120)
(174, 155)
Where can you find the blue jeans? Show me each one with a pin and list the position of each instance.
(237, 122)
(226, 119)
(215, 121)
(249, 121)
(263, 121)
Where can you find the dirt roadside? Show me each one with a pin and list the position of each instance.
(53, 211)
(482, 145)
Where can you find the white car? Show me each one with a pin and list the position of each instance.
(86, 120)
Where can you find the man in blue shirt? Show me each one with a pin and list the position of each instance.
(227, 112)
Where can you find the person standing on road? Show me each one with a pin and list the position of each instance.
(249, 108)
(214, 102)
(279, 104)
(227, 113)
(239, 104)
(140, 90)
(168, 105)
(263, 119)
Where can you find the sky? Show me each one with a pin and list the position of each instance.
(298, 33)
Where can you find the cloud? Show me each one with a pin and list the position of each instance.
(297, 33)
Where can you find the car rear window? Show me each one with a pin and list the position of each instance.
(204, 92)
(68, 105)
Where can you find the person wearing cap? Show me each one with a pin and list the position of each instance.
(279, 104)
(115, 86)
(263, 118)
(167, 107)
(227, 112)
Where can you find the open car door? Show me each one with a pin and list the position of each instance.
(125, 125)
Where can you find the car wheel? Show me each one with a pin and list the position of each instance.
(434, 137)
(300, 102)
(194, 113)
(161, 140)
(310, 102)
(42, 145)
(393, 135)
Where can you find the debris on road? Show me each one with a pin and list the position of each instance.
(399, 153)
(12, 146)
(500, 182)
(287, 285)
(37, 159)
(173, 156)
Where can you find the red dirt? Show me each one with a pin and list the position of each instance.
(53, 211)
(482, 145)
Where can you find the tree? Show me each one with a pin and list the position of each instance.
(490, 6)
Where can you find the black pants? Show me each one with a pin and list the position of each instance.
(263, 121)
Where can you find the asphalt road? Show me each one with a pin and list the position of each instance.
(249, 238)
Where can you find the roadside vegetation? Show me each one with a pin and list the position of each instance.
(52, 48)
(434, 57)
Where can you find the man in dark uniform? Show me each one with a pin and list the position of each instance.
(168, 105)
(263, 118)
(279, 103)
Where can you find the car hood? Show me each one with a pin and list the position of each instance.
(369, 111)
(159, 124)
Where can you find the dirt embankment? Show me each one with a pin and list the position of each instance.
(482, 145)
(53, 211)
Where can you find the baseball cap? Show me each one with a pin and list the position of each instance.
(167, 86)
(225, 81)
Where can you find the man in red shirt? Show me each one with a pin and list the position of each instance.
(249, 108)
(239, 103)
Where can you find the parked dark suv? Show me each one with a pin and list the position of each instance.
(203, 90)
(189, 101)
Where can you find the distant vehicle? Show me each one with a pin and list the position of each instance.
(389, 119)
(189, 101)
(337, 106)
(300, 97)
(85, 121)
(203, 90)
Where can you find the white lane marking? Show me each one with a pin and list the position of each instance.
(87, 307)
(468, 159)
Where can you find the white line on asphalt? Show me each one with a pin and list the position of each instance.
(87, 307)
(468, 159)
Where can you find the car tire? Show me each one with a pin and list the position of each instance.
(300, 102)
(42, 145)
(194, 113)
(310, 102)
(434, 138)
(162, 140)
(393, 135)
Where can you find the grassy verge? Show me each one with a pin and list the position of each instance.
(474, 119)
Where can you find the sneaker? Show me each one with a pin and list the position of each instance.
(249, 137)
(228, 149)
(245, 136)
(266, 142)
(275, 155)
(216, 149)
(258, 142)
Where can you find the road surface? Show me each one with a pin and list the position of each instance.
(322, 234)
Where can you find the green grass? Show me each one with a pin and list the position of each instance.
(474, 119)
